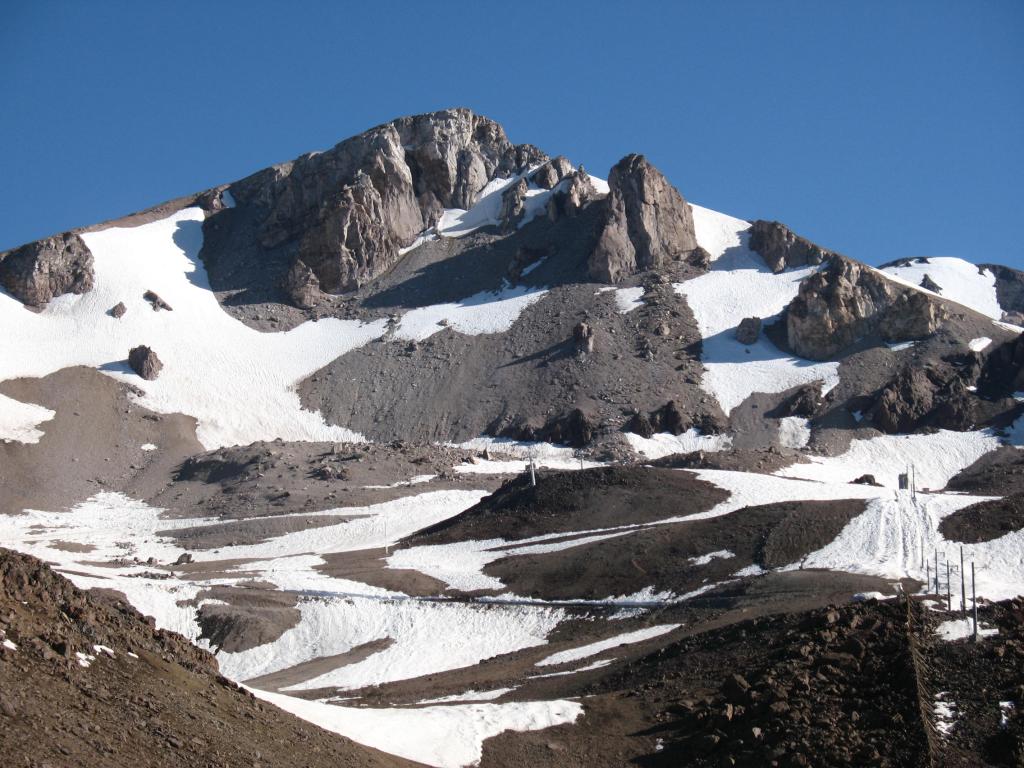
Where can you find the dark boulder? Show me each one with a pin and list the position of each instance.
(579, 193)
(156, 302)
(39, 271)
(748, 331)
(583, 338)
(513, 205)
(118, 310)
(145, 362)
(647, 223)
(781, 248)
(930, 285)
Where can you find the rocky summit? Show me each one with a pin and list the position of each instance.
(433, 448)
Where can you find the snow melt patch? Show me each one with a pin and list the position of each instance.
(723, 554)
(741, 285)
(10, 645)
(18, 421)
(667, 444)
(936, 458)
(626, 299)
(484, 312)
(958, 629)
(443, 736)
(976, 345)
(592, 649)
(470, 695)
(794, 432)
(237, 382)
(959, 281)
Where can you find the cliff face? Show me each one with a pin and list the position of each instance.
(647, 223)
(351, 209)
(847, 301)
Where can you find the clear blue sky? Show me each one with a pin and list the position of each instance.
(881, 129)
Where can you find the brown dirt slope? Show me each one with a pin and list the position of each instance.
(165, 706)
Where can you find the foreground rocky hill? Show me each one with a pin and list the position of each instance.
(455, 450)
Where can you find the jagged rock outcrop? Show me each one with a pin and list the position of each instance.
(848, 301)
(513, 205)
(579, 193)
(575, 427)
(930, 285)
(583, 338)
(669, 418)
(39, 271)
(781, 248)
(748, 330)
(804, 403)
(647, 223)
(552, 172)
(700, 259)
(352, 208)
(145, 362)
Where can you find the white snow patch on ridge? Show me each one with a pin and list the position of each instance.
(740, 285)
(666, 444)
(18, 420)
(444, 736)
(960, 281)
(592, 649)
(237, 382)
(794, 432)
(976, 345)
(484, 312)
(936, 458)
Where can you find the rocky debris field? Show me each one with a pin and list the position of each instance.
(85, 680)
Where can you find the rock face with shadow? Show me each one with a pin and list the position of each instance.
(781, 248)
(1009, 291)
(647, 223)
(39, 271)
(848, 301)
(345, 214)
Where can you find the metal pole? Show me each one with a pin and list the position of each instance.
(937, 573)
(949, 591)
(533, 474)
(963, 586)
(974, 599)
(928, 575)
(385, 536)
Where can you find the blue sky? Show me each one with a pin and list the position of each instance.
(880, 129)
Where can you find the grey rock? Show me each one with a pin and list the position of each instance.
(781, 248)
(748, 331)
(848, 301)
(352, 208)
(579, 193)
(552, 172)
(700, 259)
(39, 271)
(302, 285)
(118, 310)
(928, 284)
(145, 362)
(647, 223)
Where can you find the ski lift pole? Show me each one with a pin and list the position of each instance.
(963, 586)
(974, 600)
(949, 591)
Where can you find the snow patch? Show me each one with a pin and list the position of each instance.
(976, 345)
(484, 312)
(958, 629)
(724, 554)
(592, 649)
(18, 420)
(794, 432)
(667, 444)
(960, 281)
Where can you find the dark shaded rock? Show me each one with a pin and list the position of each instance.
(748, 330)
(866, 480)
(639, 424)
(118, 310)
(805, 403)
(583, 338)
(781, 248)
(580, 193)
(930, 285)
(574, 428)
(848, 301)
(647, 223)
(156, 302)
(144, 362)
(525, 256)
(39, 271)
(933, 396)
(552, 172)
(183, 559)
(700, 259)
(1002, 372)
